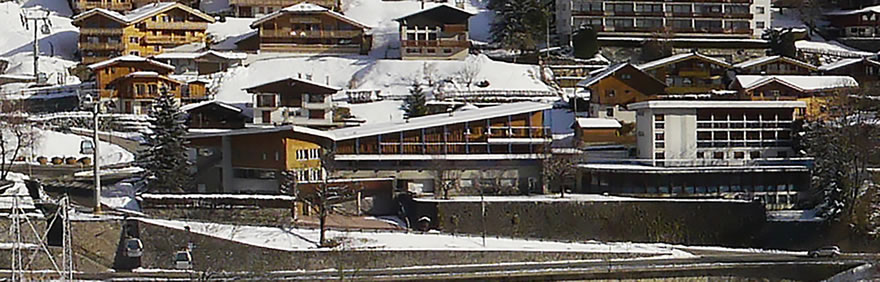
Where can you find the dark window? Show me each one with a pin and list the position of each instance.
(700, 155)
(755, 155)
(739, 155)
(718, 155)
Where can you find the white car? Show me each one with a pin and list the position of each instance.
(183, 260)
(134, 247)
(829, 251)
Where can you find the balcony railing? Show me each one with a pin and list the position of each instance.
(169, 39)
(87, 5)
(436, 43)
(177, 25)
(101, 46)
(283, 33)
(279, 3)
(100, 31)
(519, 132)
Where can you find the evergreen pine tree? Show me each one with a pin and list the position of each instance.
(519, 24)
(415, 105)
(586, 43)
(164, 159)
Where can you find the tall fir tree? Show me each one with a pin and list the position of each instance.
(164, 159)
(415, 105)
(519, 24)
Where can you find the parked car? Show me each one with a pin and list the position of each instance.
(134, 247)
(183, 260)
(829, 251)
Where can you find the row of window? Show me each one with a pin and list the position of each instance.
(308, 174)
(599, 6)
(660, 22)
(737, 155)
(308, 154)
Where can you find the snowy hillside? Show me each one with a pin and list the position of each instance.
(16, 39)
(56, 144)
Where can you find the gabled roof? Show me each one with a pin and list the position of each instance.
(643, 84)
(129, 59)
(196, 133)
(141, 13)
(294, 80)
(600, 74)
(874, 9)
(196, 55)
(845, 62)
(438, 120)
(597, 123)
(308, 8)
(189, 107)
(441, 6)
(769, 59)
(803, 83)
(681, 57)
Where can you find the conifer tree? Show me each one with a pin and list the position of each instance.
(164, 159)
(415, 105)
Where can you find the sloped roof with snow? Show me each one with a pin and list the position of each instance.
(597, 123)
(845, 62)
(679, 58)
(189, 107)
(141, 13)
(308, 8)
(296, 80)
(441, 6)
(804, 83)
(197, 133)
(196, 55)
(871, 9)
(770, 59)
(438, 120)
(129, 59)
(603, 73)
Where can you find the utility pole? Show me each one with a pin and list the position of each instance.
(37, 16)
(96, 164)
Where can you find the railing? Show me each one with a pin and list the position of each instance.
(170, 39)
(87, 5)
(693, 73)
(177, 25)
(283, 33)
(101, 46)
(454, 28)
(279, 3)
(711, 30)
(496, 93)
(519, 132)
(436, 43)
(100, 31)
(311, 48)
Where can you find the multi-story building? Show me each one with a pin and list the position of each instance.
(293, 101)
(735, 149)
(865, 70)
(614, 87)
(438, 33)
(80, 6)
(859, 28)
(214, 114)
(816, 91)
(689, 73)
(145, 31)
(310, 28)
(260, 8)
(684, 18)
(133, 82)
(775, 65)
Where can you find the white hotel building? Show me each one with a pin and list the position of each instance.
(732, 149)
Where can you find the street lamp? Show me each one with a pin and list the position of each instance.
(93, 99)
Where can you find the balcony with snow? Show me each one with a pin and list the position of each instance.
(293, 101)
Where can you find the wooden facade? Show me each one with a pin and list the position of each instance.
(214, 114)
(259, 8)
(293, 101)
(865, 71)
(309, 28)
(437, 33)
(690, 73)
(621, 85)
(144, 32)
(819, 101)
(80, 6)
(133, 82)
(775, 65)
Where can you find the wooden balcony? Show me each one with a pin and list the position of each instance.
(100, 31)
(436, 43)
(284, 33)
(693, 73)
(455, 28)
(177, 25)
(311, 48)
(87, 5)
(101, 46)
(169, 39)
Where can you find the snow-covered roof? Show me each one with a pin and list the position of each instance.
(141, 13)
(295, 80)
(804, 83)
(770, 59)
(694, 104)
(143, 74)
(600, 74)
(189, 107)
(196, 133)
(130, 59)
(681, 57)
(438, 120)
(307, 8)
(432, 8)
(196, 55)
(871, 9)
(845, 62)
(597, 123)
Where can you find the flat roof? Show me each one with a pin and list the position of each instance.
(670, 104)
(597, 123)
(646, 169)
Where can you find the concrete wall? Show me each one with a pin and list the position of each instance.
(680, 133)
(715, 223)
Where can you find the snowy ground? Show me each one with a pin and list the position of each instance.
(567, 198)
(56, 144)
(225, 34)
(377, 112)
(794, 215)
(300, 239)
(16, 39)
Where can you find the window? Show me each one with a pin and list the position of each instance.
(659, 117)
(755, 155)
(316, 98)
(609, 112)
(134, 53)
(700, 155)
(659, 125)
(266, 100)
(759, 25)
(447, 51)
(466, 183)
(621, 22)
(759, 10)
(609, 93)
(659, 145)
(739, 155)
(658, 136)
(157, 48)
(718, 155)
(659, 155)
(625, 76)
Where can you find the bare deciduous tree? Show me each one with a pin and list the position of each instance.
(557, 169)
(470, 71)
(16, 134)
(326, 194)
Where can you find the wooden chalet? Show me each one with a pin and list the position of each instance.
(439, 33)
(779, 65)
(310, 28)
(688, 73)
(133, 82)
(600, 131)
(145, 31)
(616, 86)
(293, 101)
(865, 70)
(260, 8)
(214, 114)
(816, 91)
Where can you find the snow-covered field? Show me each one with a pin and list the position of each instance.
(56, 144)
(300, 239)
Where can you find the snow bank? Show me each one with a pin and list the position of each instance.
(225, 34)
(377, 112)
(301, 239)
(56, 144)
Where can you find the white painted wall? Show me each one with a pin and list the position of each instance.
(764, 17)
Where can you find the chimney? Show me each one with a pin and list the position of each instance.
(328, 80)
(299, 75)
(423, 4)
